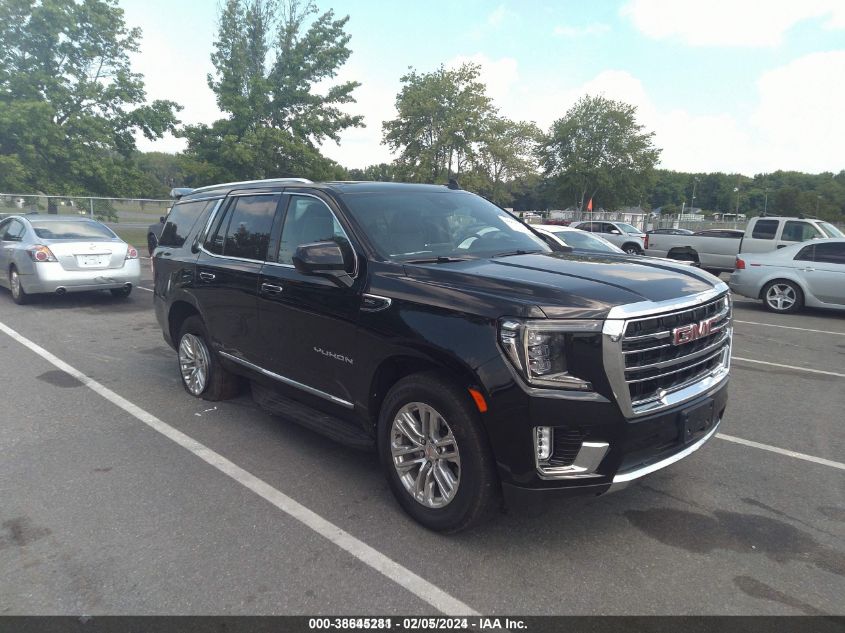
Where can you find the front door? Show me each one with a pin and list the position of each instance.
(826, 279)
(308, 322)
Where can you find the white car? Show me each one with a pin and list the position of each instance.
(805, 274)
(626, 236)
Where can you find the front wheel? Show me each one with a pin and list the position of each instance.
(19, 295)
(782, 296)
(632, 249)
(200, 369)
(435, 454)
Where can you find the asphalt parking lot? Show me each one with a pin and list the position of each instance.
(133, 498)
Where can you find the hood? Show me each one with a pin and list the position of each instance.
(568, 285)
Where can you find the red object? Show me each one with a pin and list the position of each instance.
(131, 253)
(740, 264)
(41, 254)
(479, 399)
(590, 205)
(645, 242)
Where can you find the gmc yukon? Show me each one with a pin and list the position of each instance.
(481, 362)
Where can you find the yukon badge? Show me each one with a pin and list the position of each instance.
(336, 356)
(693, 332)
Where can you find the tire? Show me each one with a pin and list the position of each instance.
(782, 296)
(121, 293)
(212, 382)
(19, 295)
(152, 242)
(475, 487)
(632, 249)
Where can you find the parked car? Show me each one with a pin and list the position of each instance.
(716, 249)
(433, 326)
(59, 254)
(669, 232)
(795, 276)
(584, 242)
(627, 237)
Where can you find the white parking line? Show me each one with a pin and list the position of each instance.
(807, 369)
(782, 451)
(402, 576)
(147, 289)
(789, 327)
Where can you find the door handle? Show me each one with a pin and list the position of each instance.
(781, 245)
(809, 270)
(208, 276)
(271, 288)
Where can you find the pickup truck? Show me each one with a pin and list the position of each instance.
(716, 249)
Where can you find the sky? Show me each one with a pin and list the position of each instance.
(738, 86)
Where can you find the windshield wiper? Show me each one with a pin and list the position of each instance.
(435, 260)
(516, 252)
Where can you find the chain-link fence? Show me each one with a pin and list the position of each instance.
(127, 211)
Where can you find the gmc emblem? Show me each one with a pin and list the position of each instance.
(693, 332)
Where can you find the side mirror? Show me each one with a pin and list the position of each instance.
(324, 259)
(615, 232)
(161, 219)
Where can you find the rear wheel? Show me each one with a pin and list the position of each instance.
(200, 369)
(19, 296)
(435, 454)
(782, 296)
(121, 293)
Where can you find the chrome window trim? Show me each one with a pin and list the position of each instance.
(214, 212)
(289, 381)
(355, 271)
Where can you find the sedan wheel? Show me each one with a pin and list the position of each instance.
(425, 455)
(19, 296)
(782, 296)
(633, 250)
(194, 362)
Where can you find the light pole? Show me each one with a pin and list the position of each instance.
(766, 202)
(817, 205)
(736, 214)
(692, 200)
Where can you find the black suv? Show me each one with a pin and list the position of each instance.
(480, 360)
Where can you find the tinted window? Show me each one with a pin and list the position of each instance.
(410, 225)
(70, 230)
(718, 233)
(308, 220)
(765, 230)
(798, 231)
(806, 254)
(181, 220)
(244, 230)
(831, 230)
(830, 253)
(12, 231)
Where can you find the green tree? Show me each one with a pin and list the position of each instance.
(70, 104)
(277, 113)
(506, 152)
(599, 151)
(441, 118)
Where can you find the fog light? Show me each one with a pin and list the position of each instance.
(543, 442)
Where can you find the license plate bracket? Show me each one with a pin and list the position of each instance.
(694, 422)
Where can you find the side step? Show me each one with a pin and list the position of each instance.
(334, 428)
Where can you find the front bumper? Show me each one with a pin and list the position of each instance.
(48, 277)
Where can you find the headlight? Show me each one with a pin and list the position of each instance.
(539, 350)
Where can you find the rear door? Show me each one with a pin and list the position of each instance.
(308, 322)
(826, 277)
(763, 236)
(227, 270)
(11, 233)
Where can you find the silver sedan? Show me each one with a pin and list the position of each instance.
(58, 254)
(805, 274)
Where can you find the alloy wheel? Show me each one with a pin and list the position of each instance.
(15, 284)
(425, 455)
(781, 297)
(194, 363)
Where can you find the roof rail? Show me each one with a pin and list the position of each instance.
(302, 181)
(178, 192)
(800, 216)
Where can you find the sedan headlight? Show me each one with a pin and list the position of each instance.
(539, 350)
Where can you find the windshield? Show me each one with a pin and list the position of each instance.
(628, 228)
(831, 230)
(411, 225)
(72, 230)
(584, 241)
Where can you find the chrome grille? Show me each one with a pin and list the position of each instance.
(649, 369)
